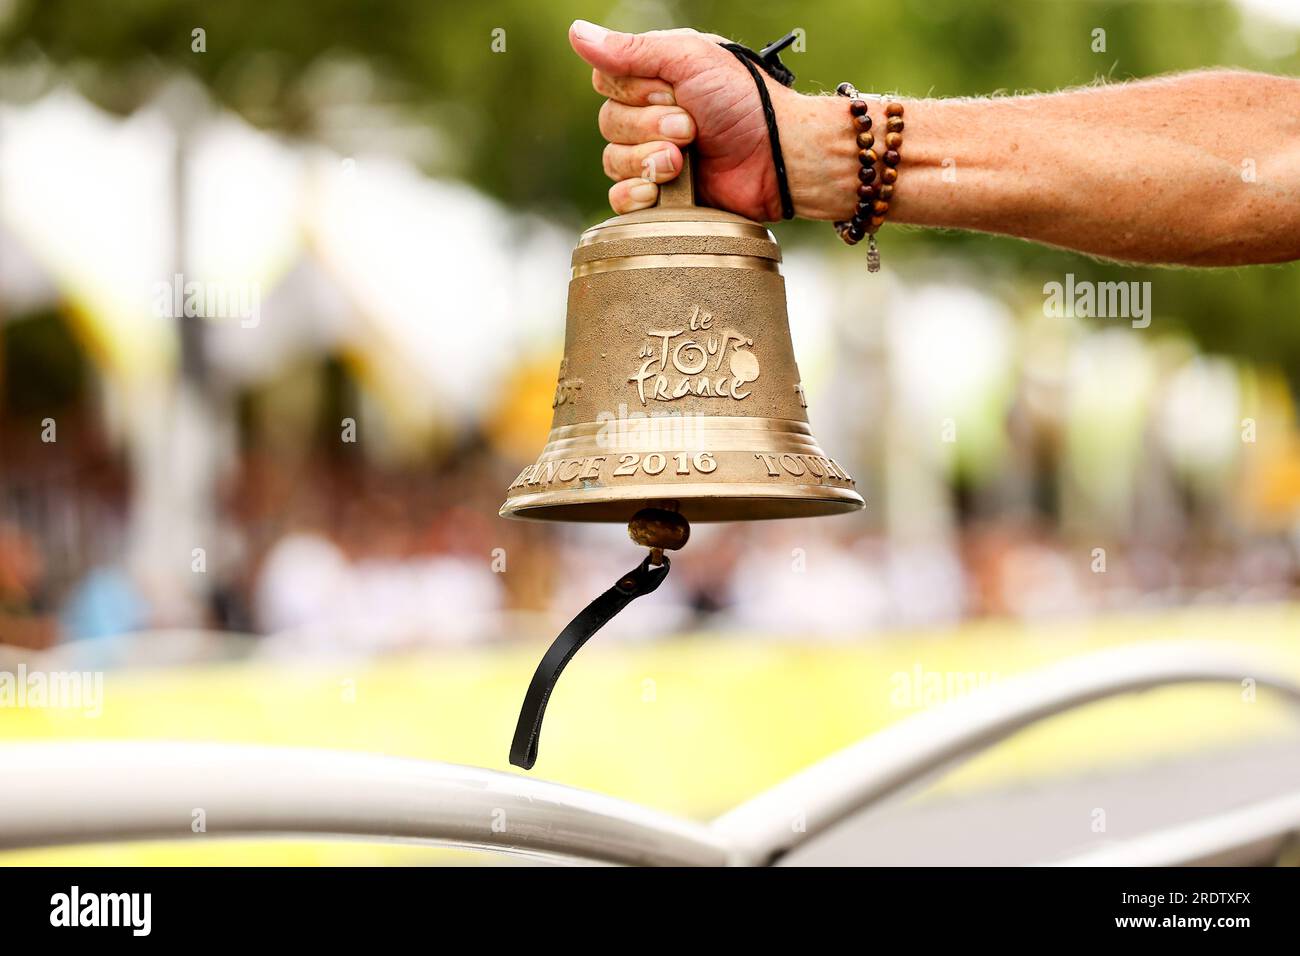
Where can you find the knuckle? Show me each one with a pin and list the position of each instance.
(634, 44)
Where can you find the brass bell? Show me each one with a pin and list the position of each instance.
(678, 400)
(678, 389)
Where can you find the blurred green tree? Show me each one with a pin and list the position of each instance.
(514, 112)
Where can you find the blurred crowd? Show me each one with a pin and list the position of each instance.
(323, 550)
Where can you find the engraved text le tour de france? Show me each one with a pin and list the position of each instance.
(689, 360)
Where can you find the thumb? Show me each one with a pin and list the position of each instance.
(658, 54)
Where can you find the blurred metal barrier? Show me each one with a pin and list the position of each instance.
(1248, 836)
(65, 793)
(89, 792)
(912, 750)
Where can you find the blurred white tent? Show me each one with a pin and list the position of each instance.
(429, 290)
(86, 194)
(431, 284)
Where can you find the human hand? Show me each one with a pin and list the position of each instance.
(667, 89)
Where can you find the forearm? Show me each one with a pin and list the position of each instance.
(1197, 169)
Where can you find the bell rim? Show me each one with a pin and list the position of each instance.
(825, 499)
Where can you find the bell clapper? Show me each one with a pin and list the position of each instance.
(659, 530)
(655, 528)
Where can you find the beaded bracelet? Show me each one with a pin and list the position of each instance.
(873, 197)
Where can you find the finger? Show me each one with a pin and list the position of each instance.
(631, 195)
(643, 124)
(653, 162)
(633, 90)
(667, 55)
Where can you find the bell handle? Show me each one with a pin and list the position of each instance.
(680, 191)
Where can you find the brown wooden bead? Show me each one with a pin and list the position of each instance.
(876, 185)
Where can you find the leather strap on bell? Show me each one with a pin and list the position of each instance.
(642, 579)
(770, 62)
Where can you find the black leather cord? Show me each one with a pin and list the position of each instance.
(640, 580)
(771, 64)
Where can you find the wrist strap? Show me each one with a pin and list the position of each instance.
(771, 64)
(640, 580)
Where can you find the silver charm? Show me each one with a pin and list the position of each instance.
(873, 254)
